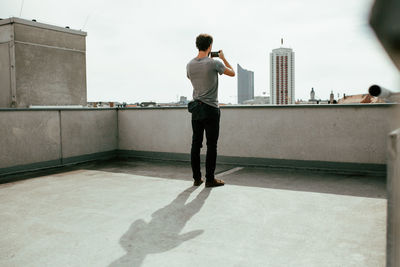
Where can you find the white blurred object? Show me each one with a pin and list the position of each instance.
(379, 91)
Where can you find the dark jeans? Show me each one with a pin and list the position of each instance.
(210, 124)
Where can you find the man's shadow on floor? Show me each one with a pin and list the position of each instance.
(163, 232)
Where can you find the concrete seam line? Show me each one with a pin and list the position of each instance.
(13, 79)
(117, 131)
(51, 46)
(61, 138)
(228, 172)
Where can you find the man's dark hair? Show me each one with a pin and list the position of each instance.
(203, 41)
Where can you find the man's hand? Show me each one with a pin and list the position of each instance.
(228, 69)
(221, 55)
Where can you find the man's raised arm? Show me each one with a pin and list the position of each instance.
(228, 69)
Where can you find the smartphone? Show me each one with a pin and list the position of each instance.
(215, 54)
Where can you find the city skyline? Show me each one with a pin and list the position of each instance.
(137, 51)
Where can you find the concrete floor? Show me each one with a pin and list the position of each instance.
(146, 213)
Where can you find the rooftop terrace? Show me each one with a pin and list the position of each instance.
(306, 186)
(147, 213)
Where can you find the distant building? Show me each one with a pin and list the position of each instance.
(258, 100)
(282, 83)
(102, 104)
(312, 99)
(361, 98)
(332, 98)
(183, 100)
(245, 84)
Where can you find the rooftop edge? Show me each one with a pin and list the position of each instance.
(40, 25)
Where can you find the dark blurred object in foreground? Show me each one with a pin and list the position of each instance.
(385, 20)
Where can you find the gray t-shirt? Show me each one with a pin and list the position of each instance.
(203, 73)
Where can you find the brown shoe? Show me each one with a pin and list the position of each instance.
(198, 182)
(214, 183)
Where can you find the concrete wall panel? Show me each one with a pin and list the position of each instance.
(48, 76)
(6, 33)
(87, 132)
(354, 134)
(5, 82)
(340, 134)
(159, 130)
(26, 33)
(28, 137)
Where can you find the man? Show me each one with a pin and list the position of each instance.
(203, 73)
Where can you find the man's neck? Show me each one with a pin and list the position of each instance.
(202, 54)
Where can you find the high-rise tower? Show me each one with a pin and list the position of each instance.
(245, 84)
(282, 76)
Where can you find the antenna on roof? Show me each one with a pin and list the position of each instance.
(22, 5)
(86, 20)
(281, 41)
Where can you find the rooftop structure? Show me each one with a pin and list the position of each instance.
(41, 64)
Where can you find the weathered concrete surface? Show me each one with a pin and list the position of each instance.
(274, 178)
(86, 132)
(50, 37)
(356, 134)
(264, 177)
(91, 131)
(158, 130)
(48, 76)
(29, 137)
(5, 86)
(96, 218)
(46, 64)
(6, 33)
(36, 136)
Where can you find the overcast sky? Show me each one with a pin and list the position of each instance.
(137, 50)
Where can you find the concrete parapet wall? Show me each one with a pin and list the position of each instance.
(28, 137)
(31, 139)
(88, 132)
(348, 134)
(159, 130)
(339, 134)
(321, 137)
